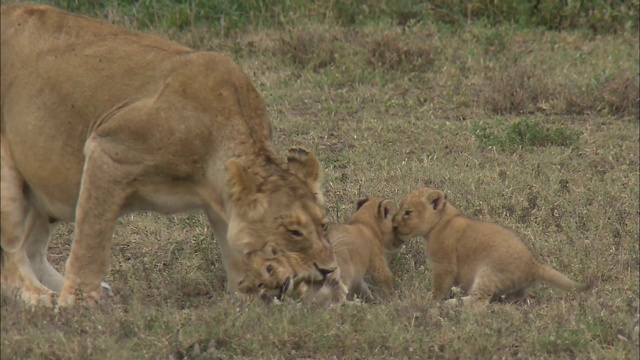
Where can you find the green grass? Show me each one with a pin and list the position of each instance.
(524, 133)
(532, 128)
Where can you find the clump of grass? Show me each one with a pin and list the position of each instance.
(518, 88)
(391, 51)
(620, 94)
(310, 48)
(524, 133)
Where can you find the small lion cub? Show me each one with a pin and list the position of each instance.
(364, 245)
(485, 259)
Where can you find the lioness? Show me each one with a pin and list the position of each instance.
(486, 260)
(98, 122)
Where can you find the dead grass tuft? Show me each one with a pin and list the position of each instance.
(395, 51)
(621, 94)
(516, 89)
(311, 47)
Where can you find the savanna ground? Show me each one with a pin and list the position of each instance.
(527, 117)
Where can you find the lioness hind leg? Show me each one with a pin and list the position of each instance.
(105, 187)
(16, 273)
(17, 276)
(37, 236)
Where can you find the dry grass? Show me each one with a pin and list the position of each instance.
(383, 123)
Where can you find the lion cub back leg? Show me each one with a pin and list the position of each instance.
(490, 284)
(18, 229)
(485, 286)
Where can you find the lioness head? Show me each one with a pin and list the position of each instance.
(378, 213)
(280, 203)
(418, 213)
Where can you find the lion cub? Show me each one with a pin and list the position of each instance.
(485, 259)
(364, 245)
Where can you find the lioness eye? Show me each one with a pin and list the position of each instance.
(295, 233)
(260, 286)
(324, 226)
(408, 213)
(270, 269)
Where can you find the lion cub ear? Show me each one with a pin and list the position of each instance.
(437, 199)
(305, 165)
(271, 250)
(386, 209)
(361, 203)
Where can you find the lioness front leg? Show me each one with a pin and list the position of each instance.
(103, 192)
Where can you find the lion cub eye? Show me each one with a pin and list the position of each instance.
(324, 226)
(270, 269)
(295, 233)
(408, 213)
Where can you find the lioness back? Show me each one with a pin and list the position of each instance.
(485, 259)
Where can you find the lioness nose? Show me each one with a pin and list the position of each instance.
(325, 272)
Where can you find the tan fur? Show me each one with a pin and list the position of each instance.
(268, 273)
(363, 247)
(486, 260)
(269, 276)
(98, 122)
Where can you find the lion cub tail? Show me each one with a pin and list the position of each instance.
(554, 277)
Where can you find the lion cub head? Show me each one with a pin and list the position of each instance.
(418, 213)
(268, 273)
(281, 203)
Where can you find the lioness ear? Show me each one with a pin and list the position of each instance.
(385, 209)
(437, 200)
(361, 202)
(241, 182)
(306, 166)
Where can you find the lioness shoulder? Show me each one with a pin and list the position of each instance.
(485, 259)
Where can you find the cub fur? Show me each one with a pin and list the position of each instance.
(364, 245)
(485, 259)
(98, 122)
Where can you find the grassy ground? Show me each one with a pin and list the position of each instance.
(532, 128)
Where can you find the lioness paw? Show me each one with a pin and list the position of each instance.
(38, 297)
